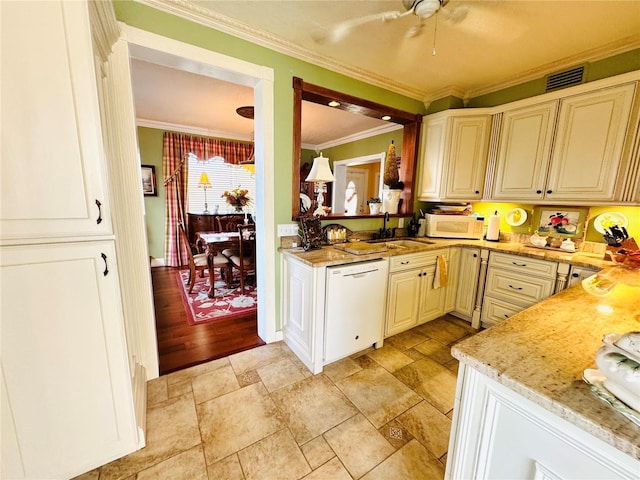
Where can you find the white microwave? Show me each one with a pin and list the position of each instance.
(454, 226)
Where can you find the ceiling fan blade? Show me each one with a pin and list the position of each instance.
(454, 15)
(340, 30)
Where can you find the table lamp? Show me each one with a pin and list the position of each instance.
(320, 175)
(204, 183)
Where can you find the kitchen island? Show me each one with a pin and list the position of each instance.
(540, 355)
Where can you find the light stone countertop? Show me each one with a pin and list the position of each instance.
(542, 352)
(327, 256)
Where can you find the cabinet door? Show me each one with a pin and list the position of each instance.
(298, 315)
(433, 148)
(588, 148)
(466, 161)
(432, 300)
(526, 135)
(62, 328)
(403, 301)
(467, 281)
(52, 181)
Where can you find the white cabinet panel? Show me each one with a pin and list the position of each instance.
(64, 358)
(403, 301)
(588, 148)
(467, 159)
(525, 147)
(497, 433)
(454, 150)
(51, 139)
(467, 282)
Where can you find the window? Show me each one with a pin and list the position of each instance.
(222, 176)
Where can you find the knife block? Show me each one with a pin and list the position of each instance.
(627, 245)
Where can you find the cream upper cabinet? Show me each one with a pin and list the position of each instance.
(454, 148)
(523, 155)
(54, 184)
(575, 155)
(589, 143)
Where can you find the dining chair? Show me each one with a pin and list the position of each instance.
(198, 261)
(245, 261)
(229, 223)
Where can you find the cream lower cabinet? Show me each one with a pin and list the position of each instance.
(67, 401)
(411, 297)
(467, 283)
(497, 433)
(514, 283)
(303, 293)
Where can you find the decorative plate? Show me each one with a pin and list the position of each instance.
(595, 379)
(306, 201)
(607, 219)
(516, 217)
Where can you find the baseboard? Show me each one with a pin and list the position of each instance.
(157, 262)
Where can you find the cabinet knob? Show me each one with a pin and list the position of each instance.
(549, 191)
(475, 255)
(357, 337)
(575, 275)
(538, 192)
(477, 192)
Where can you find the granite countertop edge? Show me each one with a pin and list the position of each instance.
(329, 256)
(542, 352)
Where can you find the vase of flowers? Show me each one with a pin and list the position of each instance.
(237, 198)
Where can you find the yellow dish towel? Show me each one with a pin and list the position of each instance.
(440, 279)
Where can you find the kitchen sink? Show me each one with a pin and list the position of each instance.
(401, 243)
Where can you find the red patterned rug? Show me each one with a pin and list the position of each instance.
(228, 302)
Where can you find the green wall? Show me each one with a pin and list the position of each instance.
(285, 68)
(150, 149)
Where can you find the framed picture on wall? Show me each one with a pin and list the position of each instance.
(560, 221)
(149, 180)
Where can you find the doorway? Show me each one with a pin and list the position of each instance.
(170, 53)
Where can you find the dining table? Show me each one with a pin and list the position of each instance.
(214, 243)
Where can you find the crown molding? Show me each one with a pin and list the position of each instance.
(177, 127)
(372, 132)
(187, 10)
(609, 50)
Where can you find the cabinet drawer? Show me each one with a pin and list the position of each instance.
(518, 288)
(494, 310)
(416, 260)
(524, 265)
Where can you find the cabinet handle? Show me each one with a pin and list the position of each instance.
(515, 288)
(406, 262)
(106, 267)
(357, 337)
(575, 275)
(549, 191)
(99, 219)
(538, 192)
(506, 316)
(519, 264)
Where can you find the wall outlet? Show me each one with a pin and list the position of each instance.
(401, 222)
(287, 230)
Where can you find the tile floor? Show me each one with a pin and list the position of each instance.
(260, 414)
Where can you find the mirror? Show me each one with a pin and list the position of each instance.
(410, 122)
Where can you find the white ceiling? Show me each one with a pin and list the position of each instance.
(481, 46)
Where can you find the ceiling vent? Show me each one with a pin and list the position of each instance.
(565, 79)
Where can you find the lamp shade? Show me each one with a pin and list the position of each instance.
(204, 181)
(320, 171)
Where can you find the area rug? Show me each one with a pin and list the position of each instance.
(228, 302)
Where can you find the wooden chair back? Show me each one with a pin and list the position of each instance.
(229, 223)
(245, 262)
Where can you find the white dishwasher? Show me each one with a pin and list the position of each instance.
(354, 307)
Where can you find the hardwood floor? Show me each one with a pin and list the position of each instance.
(181, 345)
